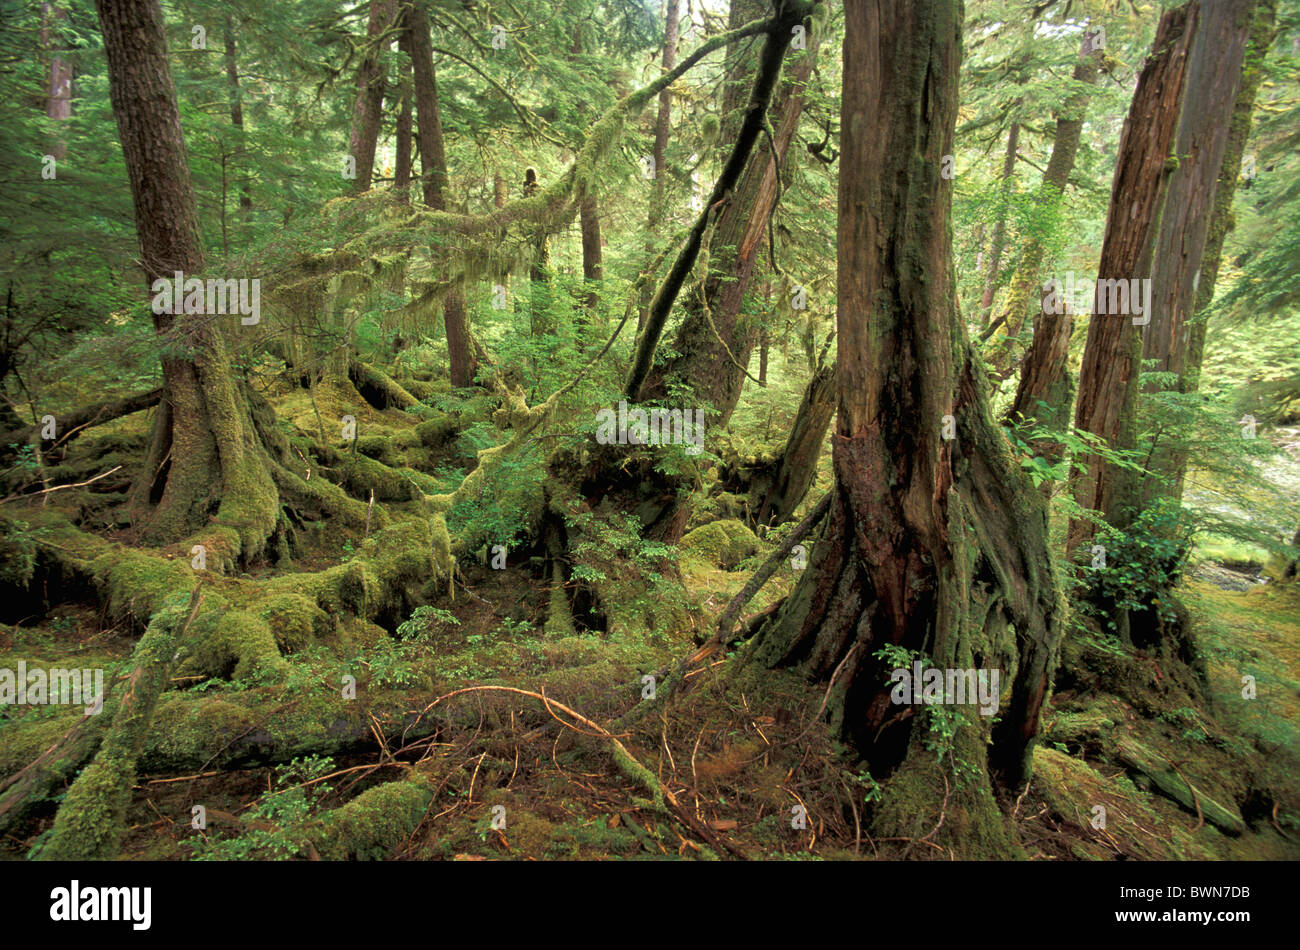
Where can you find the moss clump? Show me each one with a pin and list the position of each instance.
(438, 431)
(361, 475)
(376, 822)
(294, 620)
(914, 797)
(724, 543)
(238, 642)
(136, 583)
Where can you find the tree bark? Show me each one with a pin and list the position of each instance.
(1000, 225)
(663, 126)
(58, 92)
(205, 465)
(768, 72)
(367, 111)
(433, 158)
(592, 268)
(1211, 104)
(402, 169)
(934, 545)
(713, 363)
(1108, 378)
(797, 466)
(236, 109)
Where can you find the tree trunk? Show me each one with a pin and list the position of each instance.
(58, 92)
(742, 198)
(592, 269)
(932, 545)
(1211, 106)
(1065, 146)
(663, 125)
(797, 466)
(402, 169)
(1000, 225)
(433, 158)
(1108, 378)
(204, 465)
(714, 342)
(236, 110)
(368, 109)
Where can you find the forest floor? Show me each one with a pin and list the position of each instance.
(511, 729)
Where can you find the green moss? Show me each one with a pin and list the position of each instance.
(376, 822)
(438, 431)
(724, 543)
(136, 583)
(294, 620)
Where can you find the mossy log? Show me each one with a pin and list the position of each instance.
(92, 818)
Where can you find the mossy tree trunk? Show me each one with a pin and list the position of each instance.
(932, 545)
(715, 340)
(592, 267)
(205, 468)
(713, 363)
(402, 169)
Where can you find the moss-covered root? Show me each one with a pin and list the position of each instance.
(376, 822)
(378, 388)
(933, 805)
(91, 820)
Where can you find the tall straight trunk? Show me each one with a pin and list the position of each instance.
(402, 167)
(1262, 33)
(663, 121)
(367, 111)
(1000, 224)
(932, 545)
(236, 109)
(433, 159)
(204, 465)
(663, 125)
(58, 90)
(592, 268)
(1108, 377)
(1214, 76)
(1065, 146)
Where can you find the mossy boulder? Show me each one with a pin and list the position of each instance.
(725, 543)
